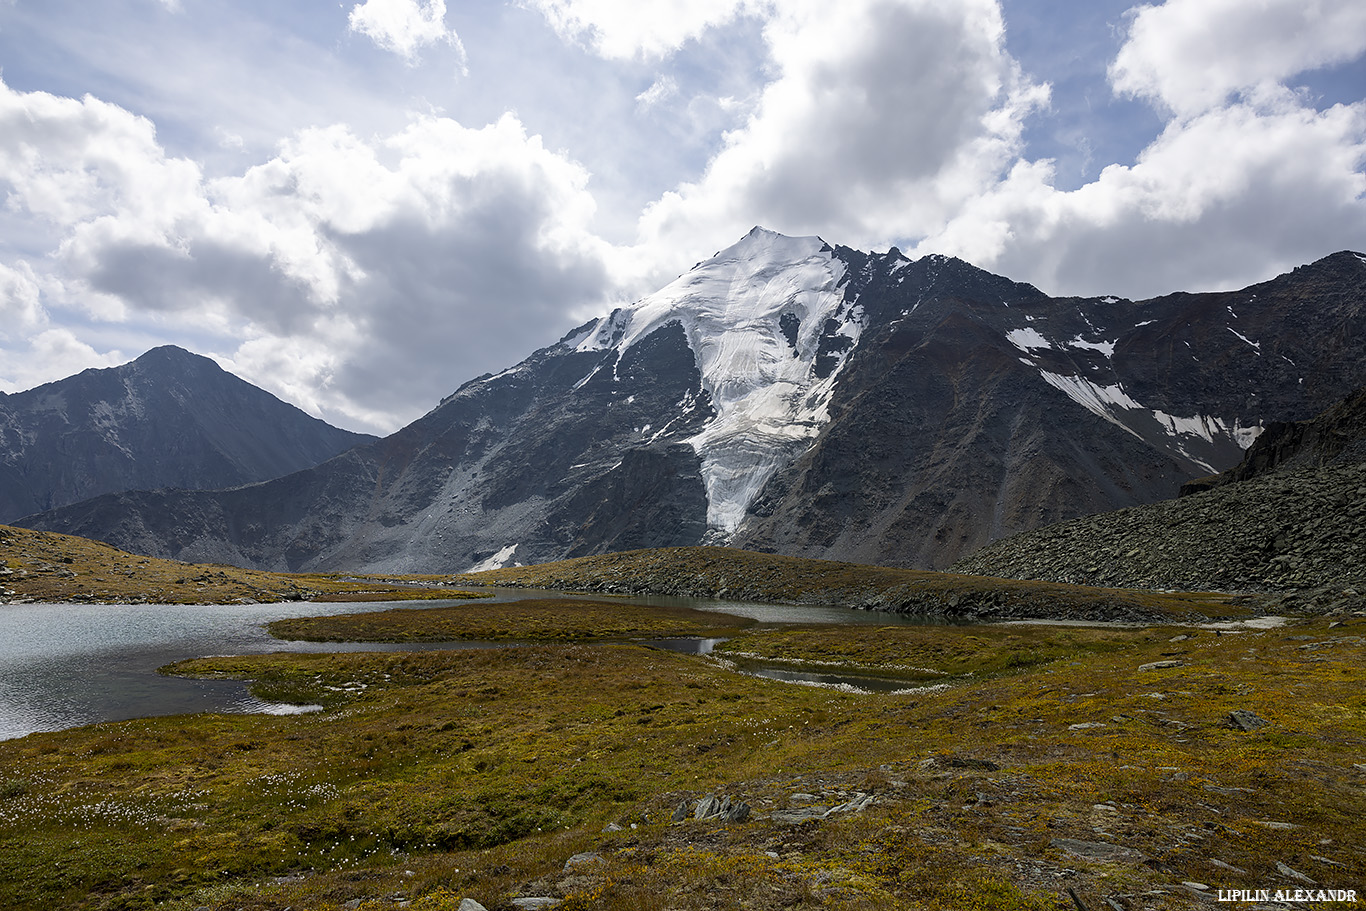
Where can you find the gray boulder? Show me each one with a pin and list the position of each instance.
(1243, 720)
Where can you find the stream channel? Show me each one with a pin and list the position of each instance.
(64, 665)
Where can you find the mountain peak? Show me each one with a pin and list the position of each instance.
(173, 356)
(766, 323)
(763, 243)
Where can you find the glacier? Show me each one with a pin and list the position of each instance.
(768, 399)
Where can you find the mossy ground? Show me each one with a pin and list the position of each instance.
(436, 775)
(930, 653)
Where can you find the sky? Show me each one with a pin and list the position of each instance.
(359, 206)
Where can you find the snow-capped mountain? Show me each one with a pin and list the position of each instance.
(790, 395)
(769, 327)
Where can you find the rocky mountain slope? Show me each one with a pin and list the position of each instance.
(1291, 515)
(792, 396)
(168, 419)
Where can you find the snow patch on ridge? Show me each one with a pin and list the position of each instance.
(1114, 405)
(768, 400)
(1097, 399)
(1257, 346)
(497, 561)
(1028, 340)
(1209, 428)
(1105, 348)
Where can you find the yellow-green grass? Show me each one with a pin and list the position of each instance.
(439, 775)
(45, 566)
(726, 572)
(533, 619)
(933, 653)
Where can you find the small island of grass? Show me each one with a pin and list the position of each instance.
(535, 619)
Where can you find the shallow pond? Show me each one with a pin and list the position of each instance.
(63, 665)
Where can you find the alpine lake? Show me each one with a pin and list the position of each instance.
(64, 665)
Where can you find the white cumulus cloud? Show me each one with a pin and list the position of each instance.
(404, 26)
(1191, 55)
(622, 29)
(661, 89)
(405, 264)
(1277, 186)
(884, 117)
(21, 309)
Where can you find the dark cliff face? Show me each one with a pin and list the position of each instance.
(944, 441)
(167, 419)
(945, 407)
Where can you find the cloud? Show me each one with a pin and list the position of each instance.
(901, 121)
(66, 160)
(1191, 55)
(404, 26)
(50, 355)
(406, 264)
(1267, 186)
(21, 309)
(885, 117)
(661, 89)
(625, 29)
(1246, 179)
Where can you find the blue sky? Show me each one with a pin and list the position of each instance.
(359, 206)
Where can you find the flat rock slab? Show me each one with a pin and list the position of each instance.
(798, 815)
(1100, 851)
(586, 859)
(1158, 665)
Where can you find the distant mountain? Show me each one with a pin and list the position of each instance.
(790, 396)
(1291, 515)
(168, 419)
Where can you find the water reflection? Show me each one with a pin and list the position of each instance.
(63, 665)
(775, 670)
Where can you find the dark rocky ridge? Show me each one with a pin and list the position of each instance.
(536, 457)
(943, 438)
(1291, 515)
(168, 419)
